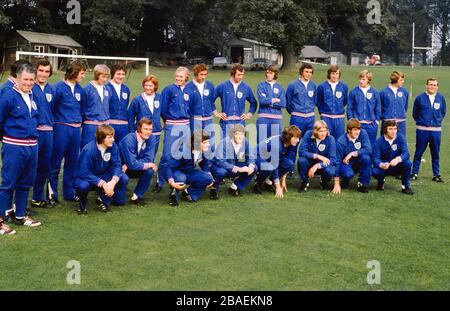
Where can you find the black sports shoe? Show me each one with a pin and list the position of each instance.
(82, 210)
(407, 191)
(437, 178)
(413, 177)
(53, 200)
(39, 204)
(186, 196)
(173, 200)
(102, 206)
(270, 188)
(304, 187)
(380, 185)
(27, 221)
(323, 185)
(257, 189)
(137, 201)
(157, 188)
(234, 193)
(213, 194)
(345, 184)
(30, 212)
(361, 188)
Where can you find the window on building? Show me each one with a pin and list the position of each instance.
(39, 49)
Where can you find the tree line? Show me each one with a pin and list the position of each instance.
(202, 27)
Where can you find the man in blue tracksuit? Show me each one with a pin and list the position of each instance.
(19, 118)
(272, 99)
(317, 154)
(301, 97)
(364, 105)
(233, 94)
(234, 158)
(11, 82)
(276, 158)
(332, 98)
(69, 97)
(193, 171)
(138, 157)
(95, 108)
(176, 115)
(119, 98)
(44, 96)
(353, 152)
(429, 112)
(391, 157)
(394, 102)
(99, 168)
(201, 101)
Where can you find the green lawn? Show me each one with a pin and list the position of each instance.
(312, 241)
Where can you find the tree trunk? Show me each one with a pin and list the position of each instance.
(445, 20)
(289, 58)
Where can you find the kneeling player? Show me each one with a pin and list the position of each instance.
(234, 159)
(317, 155)
(391, 157)
(138, 157)
(99, 168)
(353, 155)
(276, 158)
(193, 170)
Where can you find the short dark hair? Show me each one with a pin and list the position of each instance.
(74, 69)
(236, 67)
(117, 67)
(273, 68)
(44, 63)
(142, 122)
(199, 68)
(387, 124)
(237, 128)
(16, 65)
(333, 68)
(198, 137)
(352, 124)
(305, 66)
(102, 132)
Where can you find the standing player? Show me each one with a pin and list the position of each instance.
(18, 127)
(394, 102)
(44, 96)
(233, 95)
(391, 157)
(138, 157)
(272, 99)
(192, 171)
(353, 152)
(332, 98)
(119, 98)
(99, 168)
(301, 99)
(317, 154)
(201, 101)
(364, 105)
(11, 82)
(234, 158)
(276, 158)
(429, 112)
(69, 97)
(95, 110)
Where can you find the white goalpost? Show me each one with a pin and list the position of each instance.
(428, 48)
(54, 58)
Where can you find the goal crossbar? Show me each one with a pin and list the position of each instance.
(36, 54)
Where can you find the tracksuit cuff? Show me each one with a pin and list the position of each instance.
(171, 180)
(235, 169)
(100, 183)
(115, 179)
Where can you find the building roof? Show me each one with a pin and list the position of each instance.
(256, 42)
(313, 51)
(49, 39)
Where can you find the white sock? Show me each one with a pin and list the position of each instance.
(269, 182)
(233, 186)
(50, 190)
(134, 197)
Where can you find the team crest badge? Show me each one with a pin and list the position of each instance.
(357, 145)
(107, 157)
(400, 94)
(394, 147)
(263, 94)
(310, 93)
(156, 104)
(321, 147)
(206, 92)
(276, 91)
(437, 106)
(78, 96)
(33, 105)
(106, 93)
(338, 95)
(241, 157)
(186, 97)
(49, 97)
(369, 96)
(239, 95)
(125, 96)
